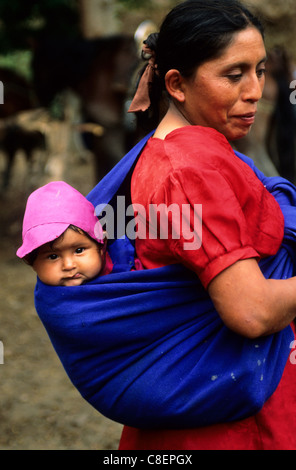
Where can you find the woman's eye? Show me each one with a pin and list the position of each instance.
(261, 72)
(235, 77)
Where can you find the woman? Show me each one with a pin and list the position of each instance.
(210, 59)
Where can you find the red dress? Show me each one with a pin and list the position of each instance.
(240, 220)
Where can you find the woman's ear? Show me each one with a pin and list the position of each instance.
(174, 84)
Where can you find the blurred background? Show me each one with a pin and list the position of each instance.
(69, 69)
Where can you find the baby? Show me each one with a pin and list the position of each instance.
(62, 238)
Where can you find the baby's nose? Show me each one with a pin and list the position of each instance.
(68, 262)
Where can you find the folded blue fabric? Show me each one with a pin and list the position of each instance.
(147, 348)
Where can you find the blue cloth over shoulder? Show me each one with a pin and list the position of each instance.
(147, 348)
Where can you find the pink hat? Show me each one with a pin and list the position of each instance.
(49, 212)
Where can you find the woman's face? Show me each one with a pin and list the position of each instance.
(225, 91)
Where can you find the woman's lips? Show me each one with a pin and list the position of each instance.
(248, 119)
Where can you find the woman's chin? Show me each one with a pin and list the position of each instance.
(233, 136)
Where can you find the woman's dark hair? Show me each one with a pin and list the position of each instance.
(193, 32)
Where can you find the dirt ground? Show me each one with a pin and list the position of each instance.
(39, 407)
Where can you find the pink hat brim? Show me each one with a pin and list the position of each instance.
(40, 235)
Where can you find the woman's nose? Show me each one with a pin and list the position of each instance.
(253, 90)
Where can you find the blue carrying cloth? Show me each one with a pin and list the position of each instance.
(147, 348)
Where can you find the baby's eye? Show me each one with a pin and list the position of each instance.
(79, 250)
(53, 256)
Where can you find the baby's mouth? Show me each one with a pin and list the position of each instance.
(75, 276)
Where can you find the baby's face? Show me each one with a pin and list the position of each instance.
(70, 261)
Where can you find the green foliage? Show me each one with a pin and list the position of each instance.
(19, 61)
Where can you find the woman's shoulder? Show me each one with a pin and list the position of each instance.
(195, 156)
(193, 147)
(197, 132)
(193, 153)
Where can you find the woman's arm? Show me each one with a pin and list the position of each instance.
(251, 305)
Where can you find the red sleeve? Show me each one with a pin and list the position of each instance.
(218, 229)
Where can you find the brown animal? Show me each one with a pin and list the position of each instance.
(18, 97)
(13, 138)
(99, 71)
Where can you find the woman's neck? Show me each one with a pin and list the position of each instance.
(174, 119)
